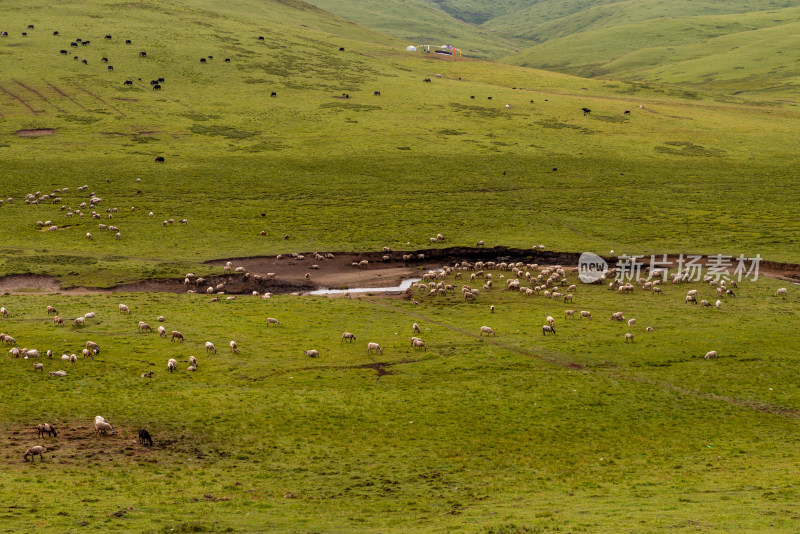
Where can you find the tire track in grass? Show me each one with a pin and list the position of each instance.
(37, 93)
(758, 406)
(101, 100)
(65, 95)
(15, 97)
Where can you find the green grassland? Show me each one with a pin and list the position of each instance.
(520, 432)
(685, 172)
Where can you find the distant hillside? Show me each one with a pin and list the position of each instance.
(738, 45)
(420, 22)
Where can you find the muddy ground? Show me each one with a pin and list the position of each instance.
(338, 273)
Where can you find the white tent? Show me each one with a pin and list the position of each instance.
(411, 49)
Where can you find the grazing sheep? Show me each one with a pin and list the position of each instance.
(58, 320)
(89, 315)
(415, 327)
(718, 304)
(234, 347)
(347, 336)
(46, 428)
(39, 366)
(172, 364)
(162, 331)
(147, 375)
(58, 373)
(649, 328)
(124, 309)
(690, 298)
(418, 344)
(691, 293)
(705, 304)
(144, 437)
(73, 358)
(192, 368)
(101, 427)
(33, 452)
(586, 314)
(374, 347)
(52, 310)
(312, 353)
(15, 352)
(569, 313)
(628, 337)
(144, 327)
(550, 320)
(782, 291)
(160, 319)
(631, 322)
(548, 328)
(80, 321)
(88, 235)
(711, 355)
(486, 330)
(491, 308)
(271, 320)
(210, 347)
(176, 335)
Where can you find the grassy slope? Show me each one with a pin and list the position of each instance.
(418, 22)
(747, 51)
(427, 154)
(470, 435)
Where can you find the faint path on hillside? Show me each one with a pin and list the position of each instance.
(17, 98)
(549, 357)
(40, 95)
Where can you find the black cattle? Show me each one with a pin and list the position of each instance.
(142, 54)
(160, 159)
(227, 60)
(472, 96)
(108, 37)
(73, 44)
(341, 49)
(260, 37)
(377, 93)
(428, 80)
(110, 67)
(586, 111)
(30, 26)
(127, 82)
(153, 82)
(55, 33)
(84, 43)
(627, 112)
(488, 97)
(202, 60)
(160, 80)
(84, 62)
(3, 34)
(555, 169)
(156, 87)
(273, 94)
(78, 40)
(24, 34)
(127, 41)
(104, 59)
(210, 57)
(75, 57)
(144, 437)
(63, 52)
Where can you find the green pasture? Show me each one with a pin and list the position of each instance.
(515, 433)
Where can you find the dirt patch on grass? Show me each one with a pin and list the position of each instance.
(77, 444)
(35, 132)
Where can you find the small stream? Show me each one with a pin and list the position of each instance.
(405, 284)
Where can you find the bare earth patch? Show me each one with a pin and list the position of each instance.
(36, 132)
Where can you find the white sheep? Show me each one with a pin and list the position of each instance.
(124, 309)
(415, 327)
(172, 364)
(60, 373)
(649, 328)
(37, 450)
(162, 331)
(711, 355)
(271, 320)
(210, 347)
(486, 330)
(92, 346)
(782, 291)
(550, 320)
(88, 235)
(586, 314)
(705, 303)
(718, 304)
(548, 328)
(192, 368)
(374, 347)
(73, 358)
(491, 308)
(102, 426)
(312, 353)
(569, 313)
(628, 337)
(39, 366)
(80, 321)
(234, 347)
(418, 343)
(144, 327)
(631, 322)
(89, 315)
(347, 336)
